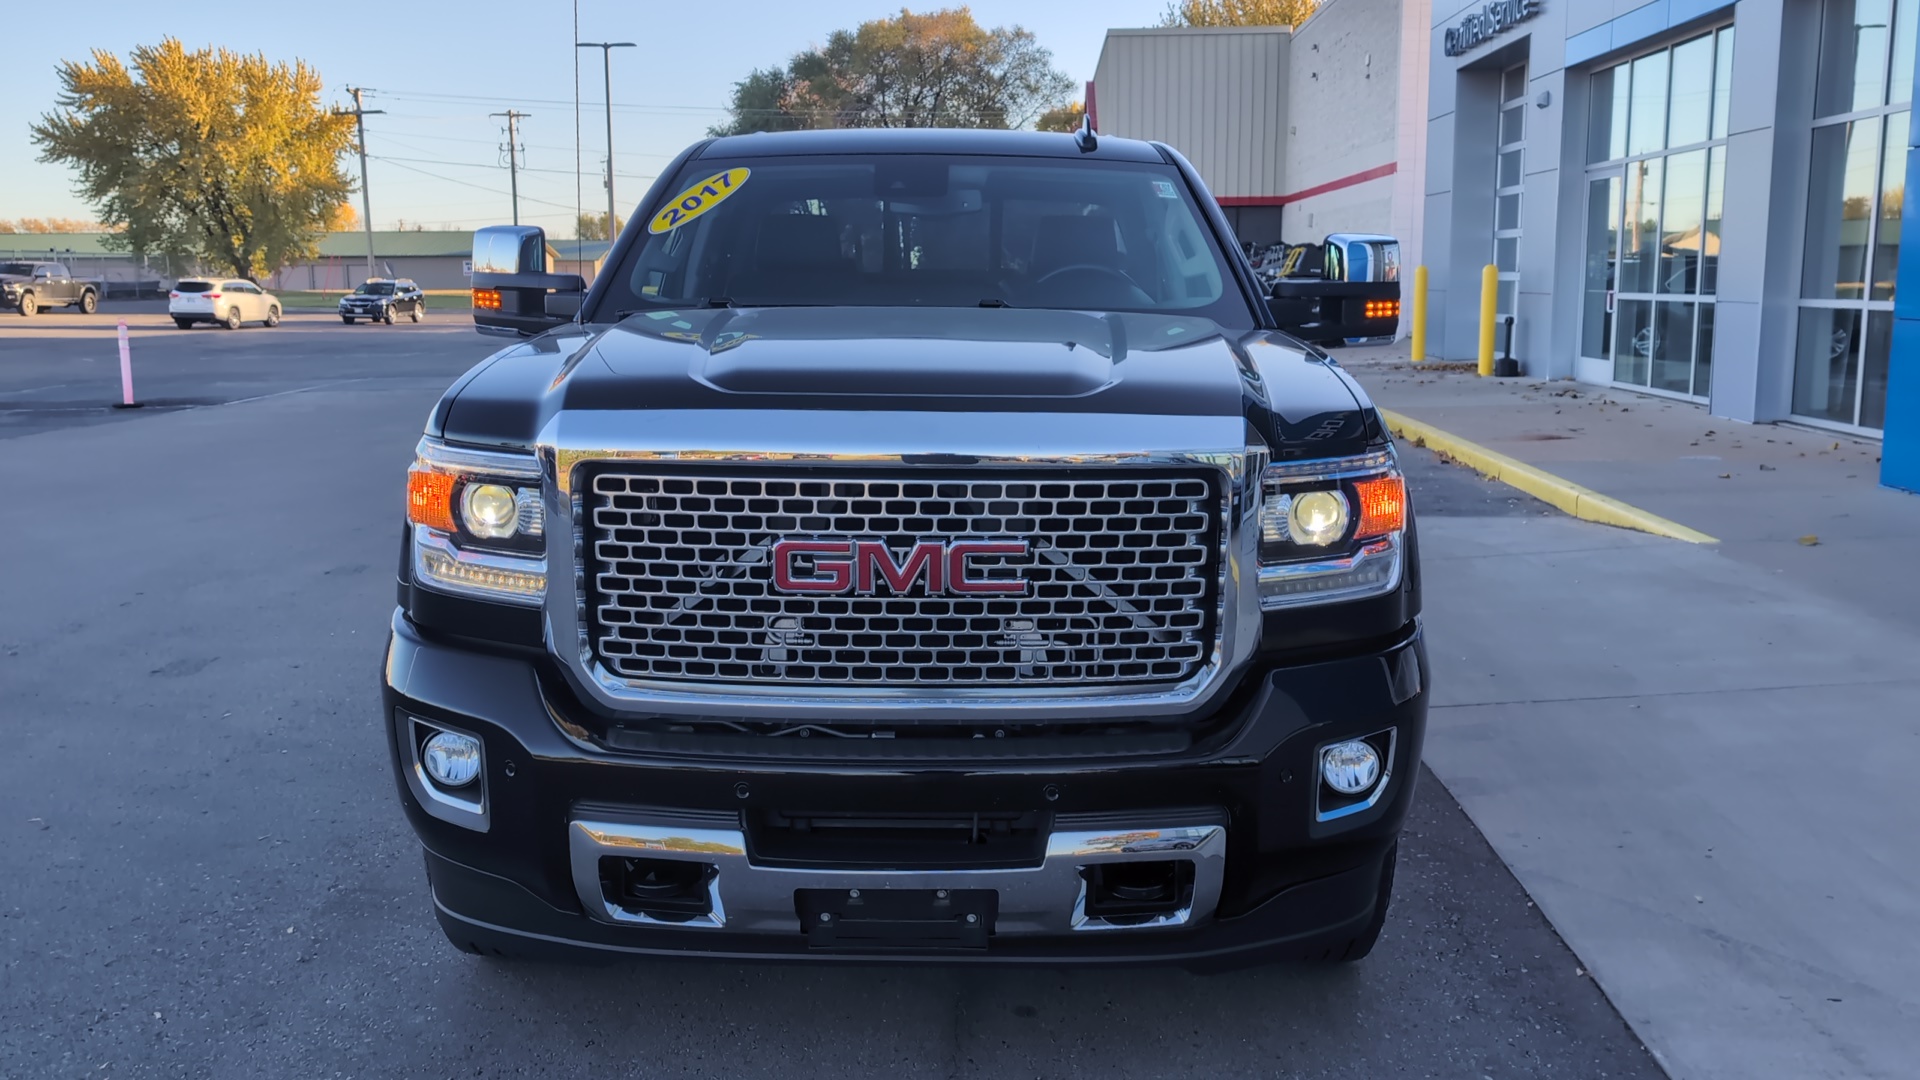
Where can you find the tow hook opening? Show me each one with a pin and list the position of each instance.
(668, 890)
(1125, 892)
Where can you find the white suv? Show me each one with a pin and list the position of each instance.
(228, 303)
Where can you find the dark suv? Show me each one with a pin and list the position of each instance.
(384, 300)
(915, 544)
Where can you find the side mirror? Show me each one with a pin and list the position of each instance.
(513, 295)
(1344, 289)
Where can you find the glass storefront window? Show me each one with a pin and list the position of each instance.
(1856, 196)
(1603, 243)
(1825, 380)
(1672, 367)
(1839, 208)
(1900, 82)
(1513, 126)
(1893, 198)
(1509, 169)
(1723, 79)
(1682, 236)
(1640, 231)
(1703, 352)
(1507, 212)
(1506, 254)
(1710, 225)
(1691, 118)
(1513, 84)
(1607, 119)
(1647, 122)
(1634, 349)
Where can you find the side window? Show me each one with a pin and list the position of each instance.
(1192, 275)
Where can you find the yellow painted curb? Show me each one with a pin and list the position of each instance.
(1582, 502)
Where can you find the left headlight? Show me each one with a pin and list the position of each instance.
(1331, 530)
(478, 523)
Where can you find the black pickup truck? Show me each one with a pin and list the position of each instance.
(28, 287)
(914, 544)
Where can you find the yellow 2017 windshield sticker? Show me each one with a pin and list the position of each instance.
(698, 199)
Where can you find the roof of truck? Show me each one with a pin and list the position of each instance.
(984, 141)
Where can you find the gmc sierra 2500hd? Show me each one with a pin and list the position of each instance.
(914, 544)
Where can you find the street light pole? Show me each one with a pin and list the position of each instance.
(606, 60)
(360, 114)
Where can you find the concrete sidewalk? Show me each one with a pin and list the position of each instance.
(1698, 759)
(1795, 501)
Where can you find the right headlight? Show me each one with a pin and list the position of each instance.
(1331, 530)
(479, 527)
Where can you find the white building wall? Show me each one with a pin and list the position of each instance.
(1218, 95)
(1343, 97)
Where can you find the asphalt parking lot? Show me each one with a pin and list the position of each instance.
(210, 874)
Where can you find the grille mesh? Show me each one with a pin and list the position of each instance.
(1123, 572)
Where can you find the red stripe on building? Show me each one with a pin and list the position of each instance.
(1374, 173)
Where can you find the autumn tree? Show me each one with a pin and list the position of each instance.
(940, 69)
(1065, 118)
(1238, 12)
(594, 227)
(213, 154)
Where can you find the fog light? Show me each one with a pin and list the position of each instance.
(1351, 767)
(453, 760)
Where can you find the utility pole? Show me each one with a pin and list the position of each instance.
(360, 114)
(513, 159)
(606, 59)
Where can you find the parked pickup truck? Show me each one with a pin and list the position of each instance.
(914, 544)
(27, 287)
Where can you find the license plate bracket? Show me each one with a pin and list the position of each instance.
(879, 920)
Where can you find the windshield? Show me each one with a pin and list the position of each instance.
(375, 288)
(22, 269)
(935, 231)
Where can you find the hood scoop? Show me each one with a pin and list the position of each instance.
(945, 353)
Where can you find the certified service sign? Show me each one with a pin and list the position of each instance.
(1491, 19)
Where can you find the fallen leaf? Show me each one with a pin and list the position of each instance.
(1809, 540)
(1726, 476)
(1768, 468)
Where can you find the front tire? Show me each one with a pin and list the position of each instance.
(28, 305)
(232, 321)
(89, 303)
(419, 312)
(273, 315)
(387, 316)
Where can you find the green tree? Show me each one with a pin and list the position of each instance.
(594, 227)
(1238, 12)
(1065, 118)
(225, 157)
(940, 69)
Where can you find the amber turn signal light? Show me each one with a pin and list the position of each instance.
(1382, 505)
(486, 299)
(430, 499)
(1383, 309)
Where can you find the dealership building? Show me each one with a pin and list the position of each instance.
(1687, 198)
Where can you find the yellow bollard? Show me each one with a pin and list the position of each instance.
(1419, 313)
(1489, 308)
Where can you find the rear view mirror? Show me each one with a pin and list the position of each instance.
(1345, 289)
(513, 294)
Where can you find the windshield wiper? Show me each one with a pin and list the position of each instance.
(710, 302)
(994, 302)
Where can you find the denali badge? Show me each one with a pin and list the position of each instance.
(859, 566)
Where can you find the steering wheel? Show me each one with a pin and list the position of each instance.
(1086, 268)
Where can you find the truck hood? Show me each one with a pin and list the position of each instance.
(839, 361)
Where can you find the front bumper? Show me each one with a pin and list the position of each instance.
(1267, 871)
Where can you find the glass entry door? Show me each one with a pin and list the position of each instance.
(1658, 144)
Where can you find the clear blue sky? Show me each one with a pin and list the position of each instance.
(439, 68)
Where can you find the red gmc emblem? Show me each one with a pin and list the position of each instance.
(859, 566)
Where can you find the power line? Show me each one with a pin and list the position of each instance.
(465, 183)
(482, 165)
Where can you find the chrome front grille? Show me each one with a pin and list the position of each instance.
(1123, 568)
